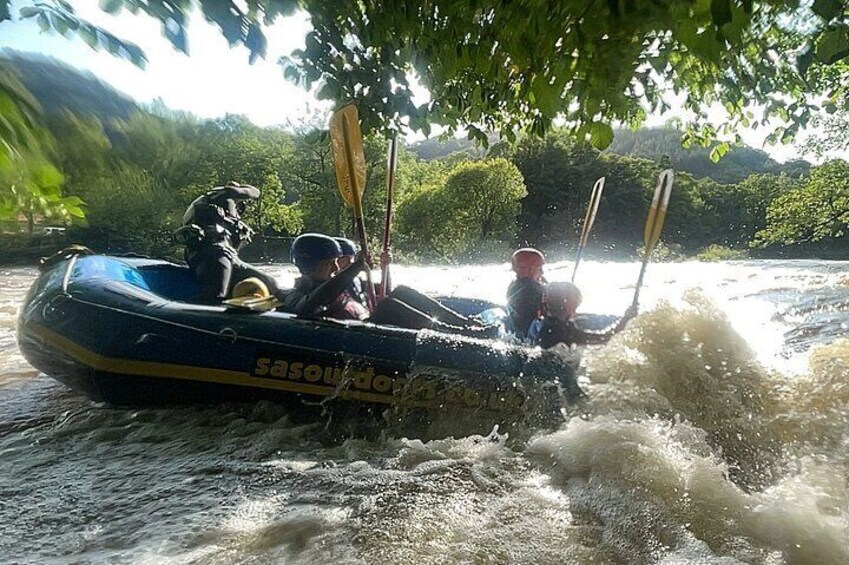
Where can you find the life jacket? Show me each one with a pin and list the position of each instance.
(207, 220)
(345, 307)
(525, 298)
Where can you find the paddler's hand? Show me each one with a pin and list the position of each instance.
(361, 262)
(385, 259)
(630, 313)
(369, 262)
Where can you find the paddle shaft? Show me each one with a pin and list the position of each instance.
(654, 224)
(577, 261)
(385, 286)
(640, 280)
(589, 220)
(358, 214)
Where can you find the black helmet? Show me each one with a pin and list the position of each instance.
(310, 249)
(348, 247)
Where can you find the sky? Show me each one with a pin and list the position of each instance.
(217, 79)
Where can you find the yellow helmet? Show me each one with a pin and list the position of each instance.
(251, 288)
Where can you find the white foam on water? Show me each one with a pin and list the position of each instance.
(706, 438)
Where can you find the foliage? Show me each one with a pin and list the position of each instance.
(233, 149)
(138, 173)
(30, 184)
(664, 253)
(559, 176)
(830, 134)
(496, 66)
(715, 252)
(476, 207)
(127, 211)
(816, 210)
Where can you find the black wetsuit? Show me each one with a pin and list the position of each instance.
(215, 232)
(329, 298)
(403, 307)
(556, 331)
(524, 304)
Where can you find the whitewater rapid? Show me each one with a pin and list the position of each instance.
(716, 431)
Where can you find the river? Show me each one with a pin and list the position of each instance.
(717, 431)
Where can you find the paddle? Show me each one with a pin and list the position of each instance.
(654, 224)
(253, 304)
(589, 220)
(391, 163)
(346, 144)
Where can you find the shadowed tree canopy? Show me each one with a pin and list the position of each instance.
(506, 67)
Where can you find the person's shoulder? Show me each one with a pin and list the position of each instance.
(304, 283)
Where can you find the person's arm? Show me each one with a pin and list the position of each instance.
(240, 191)
(313, 302)
(590, 337)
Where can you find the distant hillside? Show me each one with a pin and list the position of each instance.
(655, 144)
(56, 85)
(436, 148)
(737, 164)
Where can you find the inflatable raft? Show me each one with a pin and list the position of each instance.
(122, 330)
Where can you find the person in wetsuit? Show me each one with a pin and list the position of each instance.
(322, 291)
(525, 293)
(349, 255)
(558, 326)
(213, 232)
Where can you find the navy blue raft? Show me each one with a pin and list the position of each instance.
(122, 330)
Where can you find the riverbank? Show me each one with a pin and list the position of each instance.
(18, 250)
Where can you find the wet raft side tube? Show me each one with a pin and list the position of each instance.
(118, 330)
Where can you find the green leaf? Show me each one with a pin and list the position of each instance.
(59, 24)
(43, 22)
(256, 43)
(5, 13)
(833, 45)
(89, 34)
(601, 135)
(111, 6)
(136, 55)
(113, 45)
(29, 11)
(804, 60)
(827, 9)
(714, 155)
(329, 91)
(719, 152)
(75, 211)
(720, 12)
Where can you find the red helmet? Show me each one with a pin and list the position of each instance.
(528, 262)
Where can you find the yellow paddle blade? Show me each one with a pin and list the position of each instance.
(657, 212)
(592, 209)
(254, 304)
(346, 143)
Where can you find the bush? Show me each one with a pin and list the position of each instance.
(721, 253)
(664, 253)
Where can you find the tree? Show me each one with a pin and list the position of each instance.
(816, 210)
(830, 134)
(735, 213)
(30, 183)
(233, 149)
(509, 66)
(471, 215)
(127, 211)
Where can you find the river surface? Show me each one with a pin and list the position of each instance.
(717, 431)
